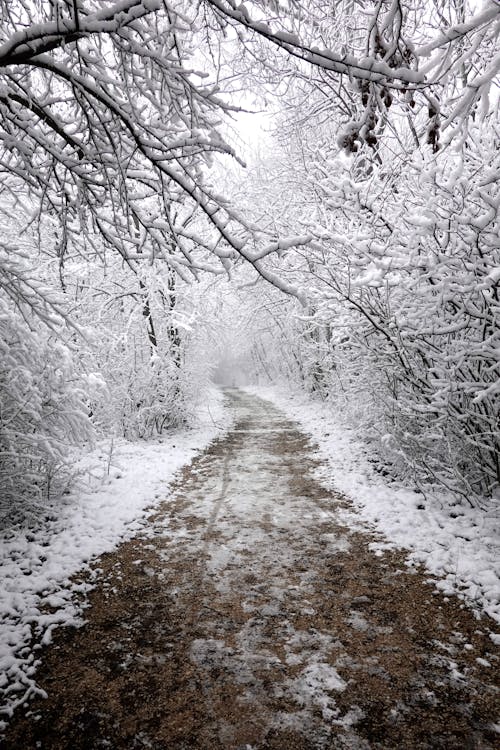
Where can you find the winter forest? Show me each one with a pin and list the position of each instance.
(356, 255)
(293, 194)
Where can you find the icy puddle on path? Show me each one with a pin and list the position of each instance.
(247, 617)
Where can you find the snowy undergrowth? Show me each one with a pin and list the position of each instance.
(116, 490)
(459, 544)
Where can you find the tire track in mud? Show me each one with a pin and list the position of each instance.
(218, 502)
(248, 616)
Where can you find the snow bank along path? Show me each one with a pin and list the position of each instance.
(246, 614)
(459, 544)
(37, 560)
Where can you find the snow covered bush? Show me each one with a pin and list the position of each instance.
(42, 402)
(151, 365)
(423, 292)
(142, 398)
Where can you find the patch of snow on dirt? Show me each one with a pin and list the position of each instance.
(252, 658)
(38, 557)
(459, 544)
(314, 685)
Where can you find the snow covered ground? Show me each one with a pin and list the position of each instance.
(460, 545)
(112, 498)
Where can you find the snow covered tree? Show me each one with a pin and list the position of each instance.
(111, 110)
(420, 63)
(110, 117)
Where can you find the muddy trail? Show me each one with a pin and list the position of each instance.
(247, 616)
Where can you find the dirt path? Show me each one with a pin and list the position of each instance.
(249, 617)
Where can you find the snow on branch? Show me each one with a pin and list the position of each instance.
(366, 69)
